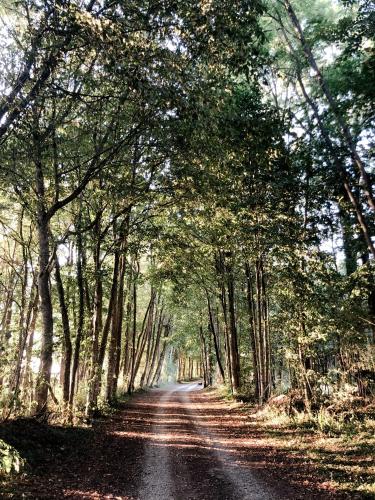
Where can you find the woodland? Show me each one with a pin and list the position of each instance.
(186, 193)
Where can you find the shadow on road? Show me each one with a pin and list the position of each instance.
(175, 442)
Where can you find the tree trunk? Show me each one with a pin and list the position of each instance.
(149, 334)
(127, 341)
(25, 328)
(111, 320)
(44, 375)
(338, 164)
(252, 330)
(27, 377)
(81, 311)
(97, 323)
(155, 351)
(67, 344)
(145, 332)
(266, 337)
(348, 138)
(120, 314)
(215, 339)
(235, 362)
(134, 336)
(205, 362)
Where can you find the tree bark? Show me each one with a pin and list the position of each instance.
(252, 330)
(235, 362)
(159, 329)
(81, 309)
(215, 339)
(97, 323)
(67, 343)
(134, 334)
(43, 231)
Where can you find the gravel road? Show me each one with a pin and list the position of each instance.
(188, 456)
(178, 442)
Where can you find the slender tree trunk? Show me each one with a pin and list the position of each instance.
(120, 315)
(149, 333)
(338, 164)
(5, 332)
(27, 378)
(205, 363)
(266, 337)
(111, 320)
(145, 332)
(159, 329)
(7, 311)
(22, 328)
(215, 339)
(67, 343)
(235, 363)
(127, 341)
(347, 238)
(159, 367)
(134, 336)
(252, 330)
(25, 327)
(81, 312)
(114, 354)
(97, 323)
(261, 353)
(44, 375)
(348, 138)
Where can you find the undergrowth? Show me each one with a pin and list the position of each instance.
(338, 440)
(336, 437)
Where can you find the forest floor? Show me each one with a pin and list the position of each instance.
(178, 442)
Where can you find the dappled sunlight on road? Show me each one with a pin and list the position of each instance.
(179, 444)
(194, 434)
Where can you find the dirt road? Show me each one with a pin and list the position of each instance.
(188, 453)
(176, 443)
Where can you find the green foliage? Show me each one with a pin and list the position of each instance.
(194, 142)
(11, 461)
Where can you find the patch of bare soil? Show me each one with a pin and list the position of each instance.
(176, 443)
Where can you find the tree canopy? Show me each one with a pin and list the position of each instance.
(186, 192)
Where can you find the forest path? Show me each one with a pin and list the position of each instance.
(190, 453)
(178, 442)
